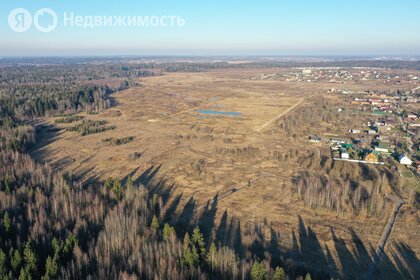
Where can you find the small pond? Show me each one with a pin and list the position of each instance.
(222, 113)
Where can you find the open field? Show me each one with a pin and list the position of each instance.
(215, 134)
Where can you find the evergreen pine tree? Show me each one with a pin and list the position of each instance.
(155, 223)
(167, 231)
(56, 246)
(24, 274)
(3, 270)
(69, 244)
(6, 222)
(29, 257)
(186, 242)
(197, 240)
(51, 268)
(108, 183)
(15, 260)
(129, 187)
(258, 271)
(211, 256)
(117, 189)
(279, 274)
(129, 183)
(190, 256)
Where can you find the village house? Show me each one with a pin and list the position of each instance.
(337, 141)
(315, 139)
(404, 159)
(370, 131)
(411, 116)
(371, 157)
(345, 155)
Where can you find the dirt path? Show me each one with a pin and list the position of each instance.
(384, 238)
(261, 128)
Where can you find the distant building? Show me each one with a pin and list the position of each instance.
(403, 159)
(337, 141)
(314, 139)
(346, 145)
(354, 131)
(345, 155)
(371, 157)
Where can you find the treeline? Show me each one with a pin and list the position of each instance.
(33, 91)
(318, 117)
(345, 187)
(35, 101)
(14, 135)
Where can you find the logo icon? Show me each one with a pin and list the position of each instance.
(47, 14)
(20, 20)
(45, 20)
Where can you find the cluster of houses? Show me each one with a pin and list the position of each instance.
(375, 104)
(343, 75)
(342, 150)
(348, 151)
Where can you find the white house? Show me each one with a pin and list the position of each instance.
(381, 149)
(403, 159)
(345, 155)
(337, 141)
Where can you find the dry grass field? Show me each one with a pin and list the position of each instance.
(215, 134)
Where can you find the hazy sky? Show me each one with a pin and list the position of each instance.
(213, 27)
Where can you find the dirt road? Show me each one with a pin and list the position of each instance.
(385, 235)
(261, 128)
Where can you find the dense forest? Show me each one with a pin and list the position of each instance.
(53, 227)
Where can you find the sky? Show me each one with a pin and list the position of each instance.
(216, 27)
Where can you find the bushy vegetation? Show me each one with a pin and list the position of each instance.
(240, 153)
(69, 119)
(87, 127)
(119, 141)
